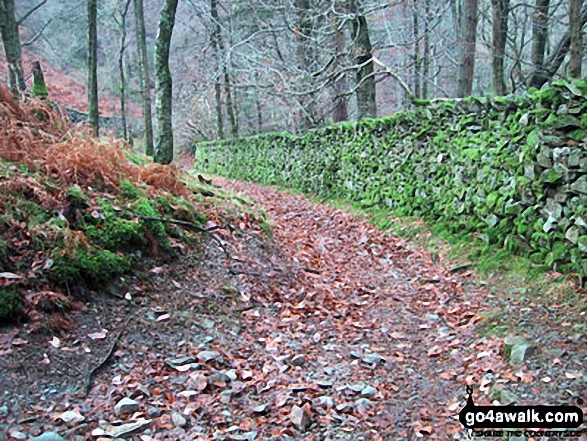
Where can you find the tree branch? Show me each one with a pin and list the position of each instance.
(37, 35)
(29, 13)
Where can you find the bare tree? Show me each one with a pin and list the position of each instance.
(145, 80)
(122, 26)
(365, 88)
(164, 84)
(501, 10)
(9, 29)
(340, 111)
(539, 38)
(92, 14)
(214, 40)
(576, 34)
(468, 35)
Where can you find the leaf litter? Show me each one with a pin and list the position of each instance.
(329, 330)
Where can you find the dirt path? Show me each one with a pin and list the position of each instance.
(367, 310)
(329, 331)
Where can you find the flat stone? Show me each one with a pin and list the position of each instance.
(48, 436)
(125, 406)
(128, 429)
(298, 360)
(368, 392)
(178, 419)
(154, 412)
(205, 356)
(300, 417)
(518, 349)
(262, 409)
(71, 417)
(372, 358)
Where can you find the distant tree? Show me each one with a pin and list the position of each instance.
(215, 35)
(145, 80)
(501, 10)
(164, 84)
(544, 69)
(468, 37)
(539, 39)
(9, 25)
(365, 87)
(576, 35)
(340, 111)
(123, 12)
(92, 14)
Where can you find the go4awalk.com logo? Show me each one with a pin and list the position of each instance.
(519, 417)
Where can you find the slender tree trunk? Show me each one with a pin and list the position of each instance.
(259, 114)
(501, 9)
(366, 89)
(231, 108)
(145, 80)
(539, 38)
(416, 56)
(214, 40)
(576, 34)
(468, 27)
(12, 46)
(93, 65)
(340, 111)
(306, 60)
(426, 58)
(164, 84)
(121, 50)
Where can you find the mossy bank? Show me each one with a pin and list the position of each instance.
(511, 169)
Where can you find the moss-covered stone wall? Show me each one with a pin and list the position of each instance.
(512, 169)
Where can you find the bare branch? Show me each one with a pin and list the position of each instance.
(30, 12)
(37, 35)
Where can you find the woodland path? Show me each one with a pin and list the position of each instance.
(331, 330)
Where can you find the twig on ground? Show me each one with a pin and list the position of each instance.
(190, 226)
(104, 359)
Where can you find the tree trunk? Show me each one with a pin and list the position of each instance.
(93, 65)
(230, 101)
(164, 84)
(340, 111)
(416, 56)
(145, 80)
(306, 60)
(554, 62)
(501, 10)
(12, 47)
(426, 58)
(366, 89)
(539, 38)
(576, 34)
(121, 50)
(215, 42)
(468, 36)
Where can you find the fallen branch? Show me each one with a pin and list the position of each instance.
(104, 359)
(190, 226)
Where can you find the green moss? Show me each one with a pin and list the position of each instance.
(129, 190)
(94, 267)
(11, 304)
(39, 88)
(137, 158)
